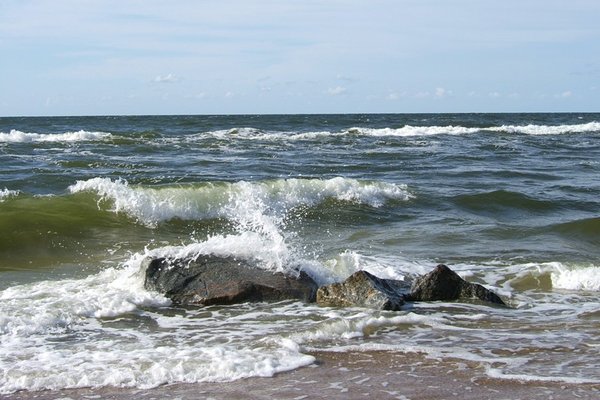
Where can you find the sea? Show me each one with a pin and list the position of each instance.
(510, 201)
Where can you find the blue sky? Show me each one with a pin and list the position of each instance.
(100, 57)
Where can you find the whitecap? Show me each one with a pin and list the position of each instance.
(16, 136)
(548, 129)
(5, 194)
(578, 278)
(409, 130)
(249, 203)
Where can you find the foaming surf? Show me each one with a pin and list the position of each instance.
(106, 330)
(7, 194)
(15, 136)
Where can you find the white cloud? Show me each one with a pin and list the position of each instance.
(564, 95)
(335, 48)
(169, 78)
(346, 78)
(441, 93)
(396, 95)
(336, 90)
(197, 96)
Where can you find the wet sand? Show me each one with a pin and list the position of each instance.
(358, 375)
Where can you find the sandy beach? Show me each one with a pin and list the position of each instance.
(376, 375)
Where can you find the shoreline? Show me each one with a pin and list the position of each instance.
(347, 375)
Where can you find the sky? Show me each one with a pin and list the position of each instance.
(125, 57)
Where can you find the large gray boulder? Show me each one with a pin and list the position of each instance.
(210, 279)
(444, 284)
(363, 289)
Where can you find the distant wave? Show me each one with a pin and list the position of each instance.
(248, 133)
(409, 130)
(257, 134)
(15, 136)
(548, 129)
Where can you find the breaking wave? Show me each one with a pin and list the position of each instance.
(249, 133)
(548, 129)
(5, 194)
(15, 136)
(222, 199)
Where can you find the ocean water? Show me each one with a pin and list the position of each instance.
(511, 201)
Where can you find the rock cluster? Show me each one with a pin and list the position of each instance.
(210, 279)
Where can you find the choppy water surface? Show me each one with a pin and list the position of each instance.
(509, 201)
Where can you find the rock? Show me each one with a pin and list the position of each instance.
(363, 289)
(209, 279)
(444, 284)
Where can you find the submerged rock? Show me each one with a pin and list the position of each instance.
(444, 284)
(363, 289)
(209, 279)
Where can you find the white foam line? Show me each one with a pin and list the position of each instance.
(498, 374)
(404, 131)
(15, 136)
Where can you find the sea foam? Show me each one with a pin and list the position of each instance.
(403, 131)
(548, 129)
(15, 136)
(91, 315)
(547, 276)
(5, 194)
(586, 278)
(409, 130)
(54, 306)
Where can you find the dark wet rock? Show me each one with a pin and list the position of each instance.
(363, 289)
(209, 279)
(444, 284)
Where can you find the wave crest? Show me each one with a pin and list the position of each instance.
(409, 130)
(247, 133)
(548, 129)
(586, 278)
(5, 193)
(15, 136)
(236, 200)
